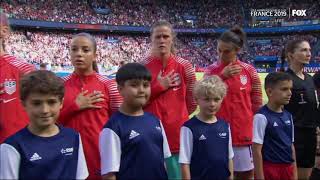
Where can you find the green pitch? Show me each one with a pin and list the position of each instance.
(261, 75)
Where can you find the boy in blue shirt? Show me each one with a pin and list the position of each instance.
(133, 144)
(205, 140)
(42, 150)
(273, 150)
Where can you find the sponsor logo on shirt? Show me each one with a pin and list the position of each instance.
(223, 135)
(67, 151)
(243, 79)
(35, 157)
(7, 100)
(10, 86)
(133, 134)
(275, 124)
(158, 128)
(288, 122)
(202, 137)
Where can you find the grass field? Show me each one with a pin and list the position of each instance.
(261, 75)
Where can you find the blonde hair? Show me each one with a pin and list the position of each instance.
(212, 86)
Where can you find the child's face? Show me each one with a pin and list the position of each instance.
(43, 110)
(280, 93)
(209, 105)
(135, 92)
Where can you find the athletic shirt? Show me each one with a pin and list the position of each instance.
(174, 105)
(27, 156)
(275, 131)
(207, 148)
(89, 122)
(12, 115)
(134, 147)
(304, 102)
(243, 99)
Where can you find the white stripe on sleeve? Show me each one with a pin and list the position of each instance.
(9, 162)
(166, 148)
(82, 169)
(110, 151)
(186, 145)
(259, 126)
(231, 153)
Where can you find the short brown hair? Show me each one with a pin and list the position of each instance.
(43, 82)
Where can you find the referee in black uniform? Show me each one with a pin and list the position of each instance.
(303, 106)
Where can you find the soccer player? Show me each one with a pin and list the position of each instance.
(12, 115)
(273, 137)
(205, 140)
(243, 99)
(133, 143)
(42, 150)
(303, 106)
(172, 82)
(89, 100)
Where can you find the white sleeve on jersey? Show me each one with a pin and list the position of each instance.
(292, 129)
(82, 169)
(166, 148)
(259, 126)
(9, 162)
(186, 145)
(110, 151)
(231, 153)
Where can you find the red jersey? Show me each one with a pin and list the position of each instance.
(12, 114)
(171, 106)
(243, 99)
(89, 122)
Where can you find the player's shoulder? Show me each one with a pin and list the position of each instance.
(66, 78)
(18, 63)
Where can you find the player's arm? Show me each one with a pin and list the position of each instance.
(295, 171)
(185, 171)
(257, 160)
(231, 169)
(9, 162)
(113, 97)
(231, 155)
(186, 147)
(259, 126)
(109, 176)
(110, 153)
(256, 91)
(190, 83)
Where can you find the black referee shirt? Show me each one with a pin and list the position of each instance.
(304, 102)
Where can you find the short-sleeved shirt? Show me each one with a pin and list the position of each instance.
(134, 147)
(27, 156)
(275, 131)
(207, 147)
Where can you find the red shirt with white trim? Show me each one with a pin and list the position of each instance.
(172, 106)
(243, 99)
(12, 115)
(89, 122)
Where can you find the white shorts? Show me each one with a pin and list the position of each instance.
(242, 160)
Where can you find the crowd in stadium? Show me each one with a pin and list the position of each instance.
(52, 48)
(202, 14)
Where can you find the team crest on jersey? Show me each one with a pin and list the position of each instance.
(243, 79)
(10, 86)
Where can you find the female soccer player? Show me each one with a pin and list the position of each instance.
(89, 99)
(243, 99)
